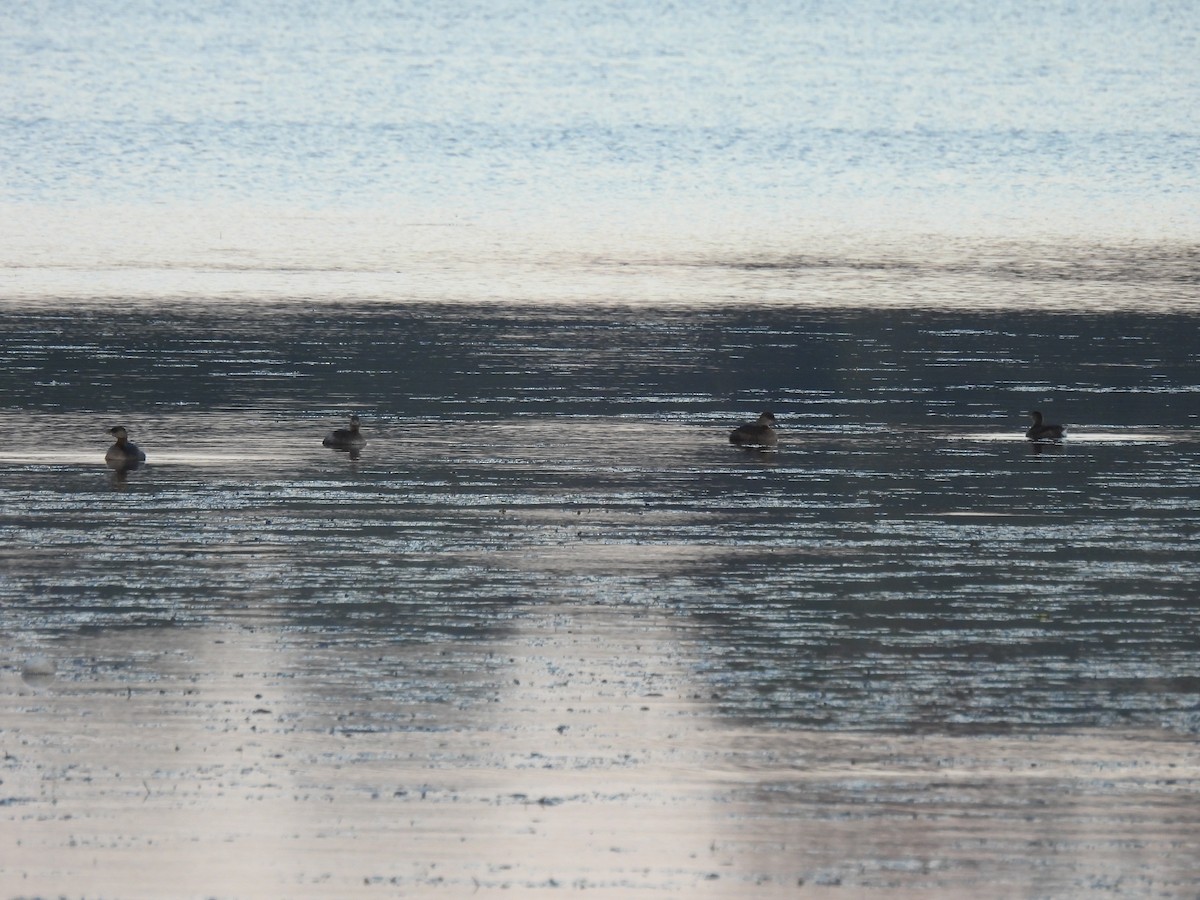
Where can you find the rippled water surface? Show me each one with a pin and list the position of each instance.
(549, 581)
(549, 631)
(904, 560)
(548, 567)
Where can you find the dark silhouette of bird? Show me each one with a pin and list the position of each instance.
(1043, 431)
(756, 434)
(346, 438)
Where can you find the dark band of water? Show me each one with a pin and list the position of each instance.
(906, 560)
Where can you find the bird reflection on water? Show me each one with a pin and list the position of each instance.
(122, 457)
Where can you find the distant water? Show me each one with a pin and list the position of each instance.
(242, 138)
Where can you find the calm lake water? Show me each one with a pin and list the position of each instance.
(549, 631)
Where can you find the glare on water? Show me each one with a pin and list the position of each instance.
(548, 630)
(549, 610)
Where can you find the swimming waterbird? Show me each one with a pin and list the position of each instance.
(1042, 431)
(346, 438)
(123, 454)
(756, 434)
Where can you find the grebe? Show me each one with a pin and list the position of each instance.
(756, 434)
(123, 454)
(345, 438)
(1042, 432)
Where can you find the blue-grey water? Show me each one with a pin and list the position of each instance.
(906, 559)
(549, 618)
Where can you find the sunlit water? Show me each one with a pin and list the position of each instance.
(549, 628)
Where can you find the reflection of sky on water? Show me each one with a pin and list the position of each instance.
(906, 560)
(549, 296)
(145, 256)
(1012, 118)
(558, 743)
